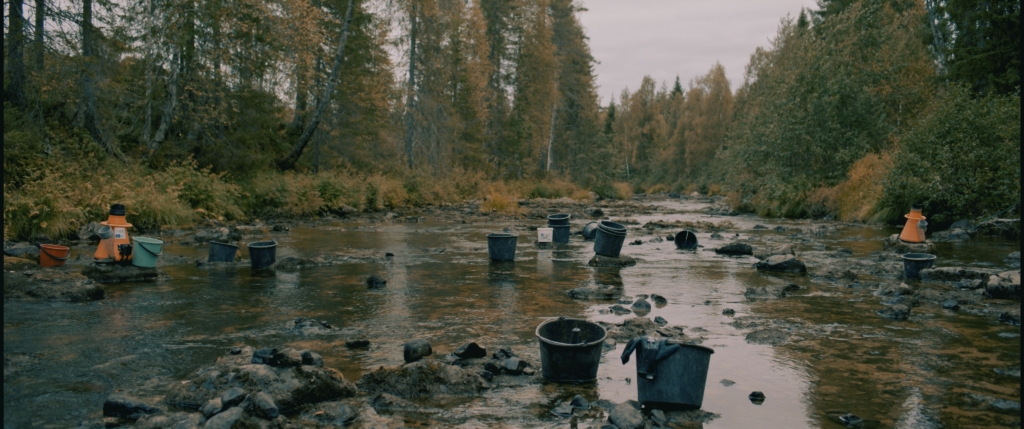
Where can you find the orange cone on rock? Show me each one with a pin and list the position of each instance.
(114, 243)
(913, 231)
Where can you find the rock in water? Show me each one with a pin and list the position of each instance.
(735, 249)
(625, 416)
(782, 264)
(607, 261)
(375, 282)
(265, 404)
(896, 312)
(470, 351)
(225, 420)
(416, 350)
(127, 407)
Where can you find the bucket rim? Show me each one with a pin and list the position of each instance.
(617, 233)
(55, 247)
(918, 257)
(224, 244)
(696, 346)
(604, 333)
(143, 241)
(263, 244)
(501, 235)
(611, 225)
(559, 216)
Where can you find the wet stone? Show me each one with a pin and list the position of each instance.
(117, 273)
(595, 293)
(579, 401)
(660, 321)
(641, 306)
(226, 419)
(486, 375)
(311, 358)
(607, 261)
(375, 282)
(618, 309)
(770, 336)
(416, 349)
(658, 418)
(895, 312)
(659, 301)
(757, 397)
(357, 343)
(264, 356)
(563, 411)
(735, 249)
(232, 397)
(969, 284)
(1010, 317)
(470, 351)
(266, 406)
(951, 304)
(514, 366)
(127, 407)
(626, 416)
(727, 382)
(729, 312)
(851, 419)
(235, 350)
(211, 407)
(636, 242)
(782, 264)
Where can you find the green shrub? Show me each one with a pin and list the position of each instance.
(962, 160)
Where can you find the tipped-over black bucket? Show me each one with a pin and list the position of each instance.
(590, 231)
(501, 247)
(560, 234)
(570, 349)
(558, 219)
(222, 252)
(676, 380)
(686, 240)
(609, 239)
(913, 263)
(262, 254)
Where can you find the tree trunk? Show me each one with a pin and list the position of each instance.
(165, 120)
(300, 103)
(551, 135)
(38, 42)
(15, 65)
(87, 103)
(411, 97)
(289, 161)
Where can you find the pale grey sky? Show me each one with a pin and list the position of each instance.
(664, 38)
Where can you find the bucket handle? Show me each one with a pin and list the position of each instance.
(43, 249)
(143, 246)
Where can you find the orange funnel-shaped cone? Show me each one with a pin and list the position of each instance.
(114, 242)
(913, 231)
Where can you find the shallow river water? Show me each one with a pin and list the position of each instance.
(940, 368)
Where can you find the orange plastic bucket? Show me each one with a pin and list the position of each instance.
(52, 255)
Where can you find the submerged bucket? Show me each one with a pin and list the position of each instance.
(609, 239)
(686, 240)
(570, 349)
(151, 248)
(501, 247)
(913, 263)
(561, 219)
(262, 254)
(676, 381)
(52, 255)
(222, 252)
(561, 234)
(590, 231)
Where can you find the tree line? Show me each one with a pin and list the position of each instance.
(825, 122)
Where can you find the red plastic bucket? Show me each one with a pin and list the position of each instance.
(52, 255)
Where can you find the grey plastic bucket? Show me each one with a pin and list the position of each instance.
(609, 238)
(558, 219)
(561, 233)
(501, 247)
(590, 231)
(913, 263)
(262, 254)
(222, 252)
(680, 379)
(686, 240)
(567, 356)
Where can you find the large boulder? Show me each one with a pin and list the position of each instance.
(122, 273)
(782, 264)
(60, 284)
(1004, 285)
(127, 407)
(421, 378)
(952, 234)
(289, 387)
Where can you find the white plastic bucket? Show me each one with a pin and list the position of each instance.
(545, 235)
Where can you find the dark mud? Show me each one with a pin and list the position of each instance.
(821, 345)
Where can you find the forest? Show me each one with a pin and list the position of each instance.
(187, 110)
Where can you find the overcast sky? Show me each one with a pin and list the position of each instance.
(664, 38)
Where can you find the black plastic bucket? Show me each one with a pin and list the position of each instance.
(570, 349)
(501, 247)
(561, 234)
(262, 254)
(678, 380)
(590, 231)
(222, 252)
(686, 240)
(913, 263)
(558, 219)
(609, 239)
